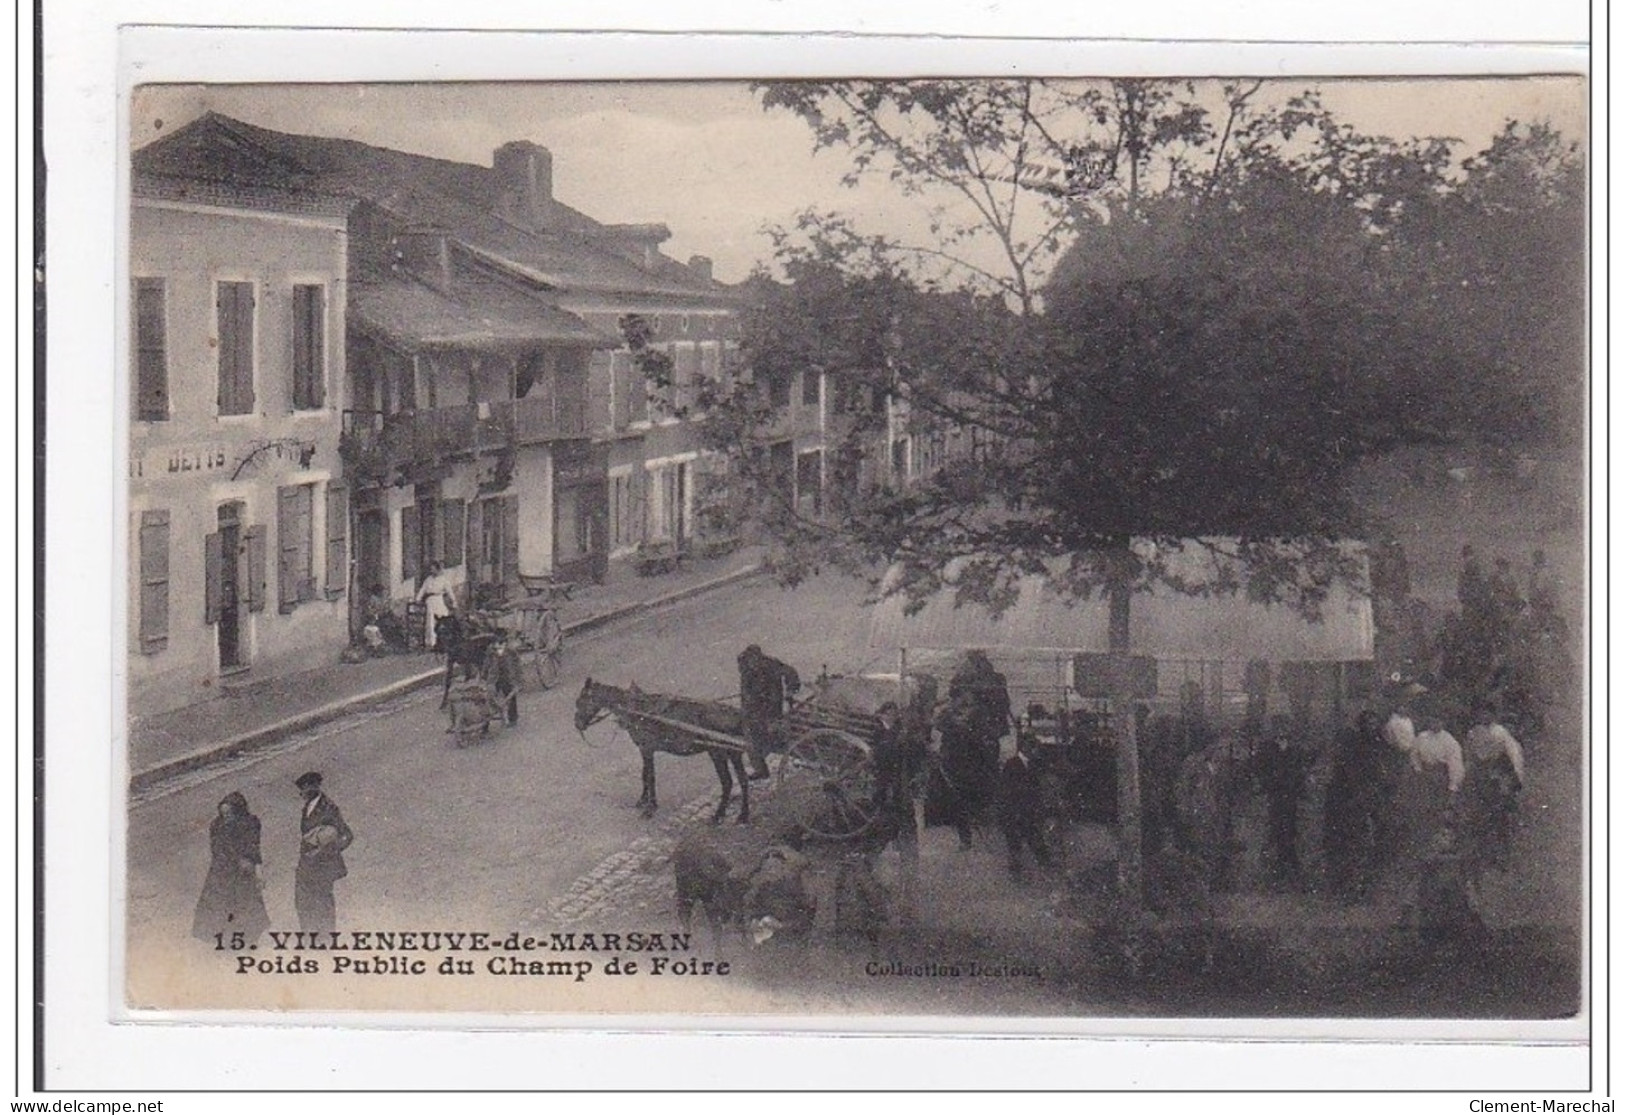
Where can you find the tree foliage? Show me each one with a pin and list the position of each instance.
(1202, 311)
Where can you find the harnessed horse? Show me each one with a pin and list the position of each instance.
(466, 645)
(647, 719)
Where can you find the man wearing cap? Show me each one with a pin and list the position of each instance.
(323, 836)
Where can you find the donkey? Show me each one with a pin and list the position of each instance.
(466, 645)
(635, 709)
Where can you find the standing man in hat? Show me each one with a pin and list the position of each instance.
(323, 836)
(766, 685)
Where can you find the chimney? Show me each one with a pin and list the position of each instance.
(701, 265)
(524, 183)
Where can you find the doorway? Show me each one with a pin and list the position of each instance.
(371, 568)
(228, 627)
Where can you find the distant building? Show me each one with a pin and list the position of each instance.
(238, 519)
(497, 421)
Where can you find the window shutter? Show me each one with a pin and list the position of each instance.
(254, 579)
(234, 313)
(338, 539)
(151, 355)
(287, 540)
(452, 513)
(245, 347)
(298, 398)
(409, 544)
(154, 549)
(476, 541)
(213, 576)
(309, 333)
(225, 322)
(510, 540)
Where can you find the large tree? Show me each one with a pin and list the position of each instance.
(1215, 319)
(1164, 312)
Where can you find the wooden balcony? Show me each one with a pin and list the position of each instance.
(376, 447)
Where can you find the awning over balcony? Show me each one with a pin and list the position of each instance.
(483, 315)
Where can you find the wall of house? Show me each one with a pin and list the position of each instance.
(191, 462)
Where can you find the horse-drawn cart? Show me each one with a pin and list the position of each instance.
(503, 651)
(531, 629)
(827, 748)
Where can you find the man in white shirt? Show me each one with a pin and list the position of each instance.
(1437, 747)
(1429, 748)
(1489, 740)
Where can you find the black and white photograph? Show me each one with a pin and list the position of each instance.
(1016, 548)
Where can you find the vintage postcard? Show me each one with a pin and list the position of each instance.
(1021, 549)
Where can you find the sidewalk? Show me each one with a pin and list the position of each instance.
(168, 743)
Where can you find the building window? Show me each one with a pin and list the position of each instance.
(810, 484)
(151, 352)
(153, 628)
(668, 503)
(234, 324)
(309, 347)
(296, 583)
(711, 361)
(810, 388)
(685, 374)
(624, 524)
(778, 390)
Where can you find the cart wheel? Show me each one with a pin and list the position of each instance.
(546, 668)
(843, 767)
(549, 634)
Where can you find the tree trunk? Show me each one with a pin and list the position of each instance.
(1129, 873)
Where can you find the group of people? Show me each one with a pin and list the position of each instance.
(1508, 644)
(965, 731)
(385, 631)
(1448, 796)
(1397, 798)
(231, 910)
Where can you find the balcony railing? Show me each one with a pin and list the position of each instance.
(376, 445)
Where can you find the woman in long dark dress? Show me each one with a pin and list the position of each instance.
(231, 901)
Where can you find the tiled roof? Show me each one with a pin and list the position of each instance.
(572, 251)
(476, 312)
(239, 196)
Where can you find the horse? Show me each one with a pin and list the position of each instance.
(466, 645)
(633, 709)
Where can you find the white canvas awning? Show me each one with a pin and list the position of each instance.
(1163, 623)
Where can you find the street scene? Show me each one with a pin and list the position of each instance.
(1054, 550)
